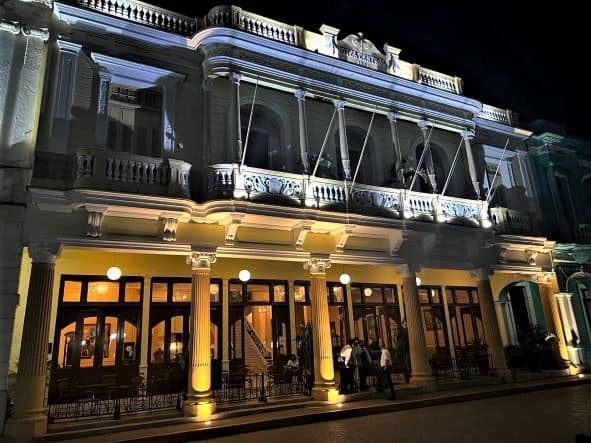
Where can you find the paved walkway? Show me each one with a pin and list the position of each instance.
(549, 416)
(180, 429)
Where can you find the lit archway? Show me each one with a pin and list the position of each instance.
(264, 148)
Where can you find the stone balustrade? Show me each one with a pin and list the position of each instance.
(510, 221)
(438, 80)
(143, 13)
(121, 171)
(498, 115)
(235, 17)
(227, 181)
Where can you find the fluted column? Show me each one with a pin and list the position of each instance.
(300, 94)
(344, 147)
(324, 386)
(237, 136)
(200, 403)
(552, 316)
(419, 360)
(392, 116)
(428, 158)
(29, 410)
(490, 323)
(468, 135)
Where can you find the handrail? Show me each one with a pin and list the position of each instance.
(258, 342)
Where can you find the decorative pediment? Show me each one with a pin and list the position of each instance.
(361, 51)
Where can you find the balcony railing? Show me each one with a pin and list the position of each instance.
(498, 115)
(235, 17)
(510, 221)
(227, 181)
(121, 171)
(142, 13)
(438, 80)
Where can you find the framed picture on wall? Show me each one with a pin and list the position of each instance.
(88, 340)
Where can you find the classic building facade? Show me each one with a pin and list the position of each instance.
(365, 195)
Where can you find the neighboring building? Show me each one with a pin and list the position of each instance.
(184, 150)
(563, 171)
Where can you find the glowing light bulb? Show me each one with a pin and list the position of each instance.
(244, 275)
(345, 279)
(113, 273)
(419, 281)
(367, 292)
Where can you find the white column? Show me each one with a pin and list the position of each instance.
(236, 146)
(419, 360)
(300, 94)
(344, 147)
(102, 111)
(428, 158)
(168, 117)
(200, 403)
(468, 135)
(324, 385)
(30, 418)
(449, 332)
(392, 116)
(490, 323)
(62, 114)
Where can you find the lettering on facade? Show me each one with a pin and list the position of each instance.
(362, 52)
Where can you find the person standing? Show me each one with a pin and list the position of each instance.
(345, 369)
(364, 365)
(386, 372)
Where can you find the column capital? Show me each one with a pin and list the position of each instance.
(236, 78)
(468, 134)
(201, 259)
(482, 274)
(300, 94)
(424, 124)
(317, 265)
(44, 252)
(392, 116)
(408, 270)
(339, 104)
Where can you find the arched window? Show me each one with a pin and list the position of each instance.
(264, 148)
(355, 139)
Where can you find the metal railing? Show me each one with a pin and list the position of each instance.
(462, 368)
(114, 402)
(242, 386)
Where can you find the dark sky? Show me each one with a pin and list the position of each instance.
(518, 55)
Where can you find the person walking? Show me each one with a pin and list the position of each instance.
(364, 366)
(345, 369)
(386, 372)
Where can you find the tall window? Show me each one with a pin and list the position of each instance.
(434, 324)
(464, 316)
(135, 120)
(376, 314)
(259, 323)
(98, 334)
(264, 148)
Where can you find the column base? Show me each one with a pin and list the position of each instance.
(329, 394)
(26, 429)
(201, 409)
(427, 382)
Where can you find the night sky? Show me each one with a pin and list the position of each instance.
(526, 57)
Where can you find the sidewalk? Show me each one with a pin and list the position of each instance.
(286, 413)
